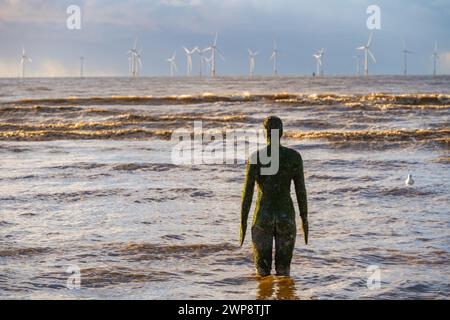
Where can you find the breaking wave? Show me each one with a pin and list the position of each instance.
(103, 132)
(380, 100)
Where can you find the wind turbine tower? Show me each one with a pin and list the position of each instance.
(252, 56)
(405, 59)
(367, 53)
(435, 57)
(214, 52)
(135, 60)
(189, 54)
(274, 58)
(319, 63)
(23, 61)
(172, 64)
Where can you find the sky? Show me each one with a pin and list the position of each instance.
(299, 27)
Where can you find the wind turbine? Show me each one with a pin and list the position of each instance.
(189, 54)
(214, 52)
(81, 66)
(367, 52)
(318, 56)
(202, 58)
(405, 58)
(274, 58)
(172, 64)
(435, 57)
(209, 63)
(24, 59)
(252, 56)
(135, 60)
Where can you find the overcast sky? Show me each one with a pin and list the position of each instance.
(299, 27)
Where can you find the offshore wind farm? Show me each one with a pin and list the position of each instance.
(208, 56)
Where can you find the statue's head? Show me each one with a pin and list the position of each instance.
(271, 123)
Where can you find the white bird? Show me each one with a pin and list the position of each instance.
(274, 58)
(134, 57)
(367, 52)
(435, 57)
(214, 52)
(318, 56)
(189, 54)
(172, 64)
(23, 61)
(409, 181)
(405, 58)
(251, 56)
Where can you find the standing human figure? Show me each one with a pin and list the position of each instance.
(274, 215)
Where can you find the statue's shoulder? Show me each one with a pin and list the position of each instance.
(292, 153)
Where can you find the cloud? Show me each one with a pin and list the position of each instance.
(31, 12)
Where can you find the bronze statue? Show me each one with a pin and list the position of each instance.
(274, 215)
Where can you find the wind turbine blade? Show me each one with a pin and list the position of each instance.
(272, 56)
(186, 50)
(361, 48)
(369, 43)
(372, 56)
(215, 39)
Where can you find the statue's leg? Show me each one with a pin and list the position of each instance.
(262, 238)
(285, 234)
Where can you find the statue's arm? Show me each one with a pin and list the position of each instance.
(300, 191)
(247, 197)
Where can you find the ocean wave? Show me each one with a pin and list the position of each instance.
(373, 135)
(47, 135)
(441, 136)
(385, 101)
(15, 252)
(152, 250)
